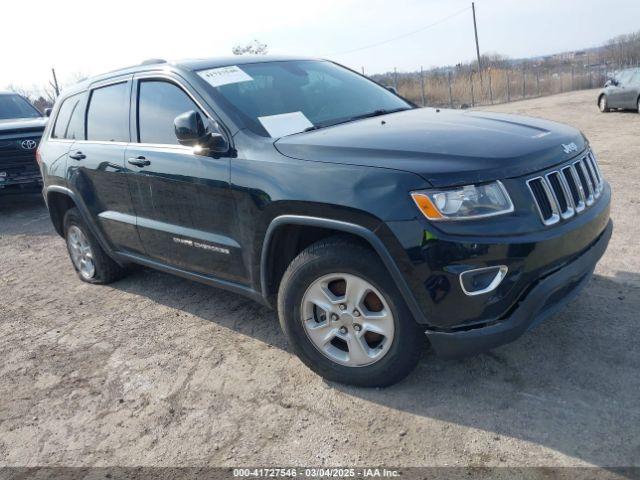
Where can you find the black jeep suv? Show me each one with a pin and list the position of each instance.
(21, 126)
(366, 222)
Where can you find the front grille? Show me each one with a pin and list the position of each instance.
(12, 154)
(561, 194)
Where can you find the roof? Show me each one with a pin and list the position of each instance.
(204, 63)
(188, 64)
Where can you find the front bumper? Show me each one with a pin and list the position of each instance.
(20, 172)
(546, 297)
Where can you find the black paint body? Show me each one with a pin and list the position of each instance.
(354, 178)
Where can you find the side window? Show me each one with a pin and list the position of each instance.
(75, 130)
(159, 103)
(108, 114)
(64, 114)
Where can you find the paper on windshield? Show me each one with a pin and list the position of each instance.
(217, 77)
(285, 124)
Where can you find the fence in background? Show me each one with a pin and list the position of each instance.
(463, 87)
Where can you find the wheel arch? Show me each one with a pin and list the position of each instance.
(326, 227)
(59, 199)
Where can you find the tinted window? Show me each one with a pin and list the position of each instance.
(14, 106)
(64, 115)
(75, 130)
(159, 103)
(108, 115)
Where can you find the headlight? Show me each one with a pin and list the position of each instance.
(464, 203)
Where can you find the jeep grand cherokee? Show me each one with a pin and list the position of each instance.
(21, 126)
(366, 222)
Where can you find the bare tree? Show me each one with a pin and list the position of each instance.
(44, 96)
(254, 47)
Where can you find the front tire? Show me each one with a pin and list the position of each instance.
(90, 261)
(345, 318)
(603, 104)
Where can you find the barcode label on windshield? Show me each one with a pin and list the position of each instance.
(216, 77)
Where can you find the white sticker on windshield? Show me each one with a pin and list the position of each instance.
(217, 77)
(285, 124)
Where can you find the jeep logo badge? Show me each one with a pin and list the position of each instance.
(28, 144)
(570, 147)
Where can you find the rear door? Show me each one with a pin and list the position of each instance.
(182, 200)
(633, 91)
(96, 164)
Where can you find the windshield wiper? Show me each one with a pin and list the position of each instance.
(375, 113)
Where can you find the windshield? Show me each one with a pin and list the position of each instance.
(280, 98)
(14, 106)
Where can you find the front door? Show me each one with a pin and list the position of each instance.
(182, 200)
(632, 91)
(618, 92)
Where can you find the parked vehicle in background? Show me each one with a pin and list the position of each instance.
(366, 222)
(622, 92)
(21, 127)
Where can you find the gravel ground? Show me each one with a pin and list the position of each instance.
(155, 370)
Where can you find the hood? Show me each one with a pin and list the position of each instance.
(445, 147)
(19, 125)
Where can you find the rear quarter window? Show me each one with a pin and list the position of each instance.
(64, 115)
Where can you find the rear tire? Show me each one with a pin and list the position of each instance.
(603, 104)
(90, 261)
(359, 296)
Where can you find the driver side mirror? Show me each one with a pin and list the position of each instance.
(47, 112)
(191, 131)
(393, 90)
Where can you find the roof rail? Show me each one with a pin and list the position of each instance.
(153, 61)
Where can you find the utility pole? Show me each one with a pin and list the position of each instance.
(422, 86)
(54, 84)
(475, 28)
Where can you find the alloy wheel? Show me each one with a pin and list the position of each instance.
(80, 251)
(348, 320)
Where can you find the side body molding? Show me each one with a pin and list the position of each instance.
(346, 227)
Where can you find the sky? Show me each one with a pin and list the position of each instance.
(85, 37)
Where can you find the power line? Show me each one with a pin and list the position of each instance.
(403, 35)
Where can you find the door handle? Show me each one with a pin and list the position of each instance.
(77, 156)
(139, 161)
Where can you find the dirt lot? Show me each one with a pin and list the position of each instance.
(157, 370)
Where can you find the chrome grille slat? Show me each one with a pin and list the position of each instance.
(553, 214)
(586, 183)
(561, 194)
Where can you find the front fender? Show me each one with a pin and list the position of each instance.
(342, 226)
